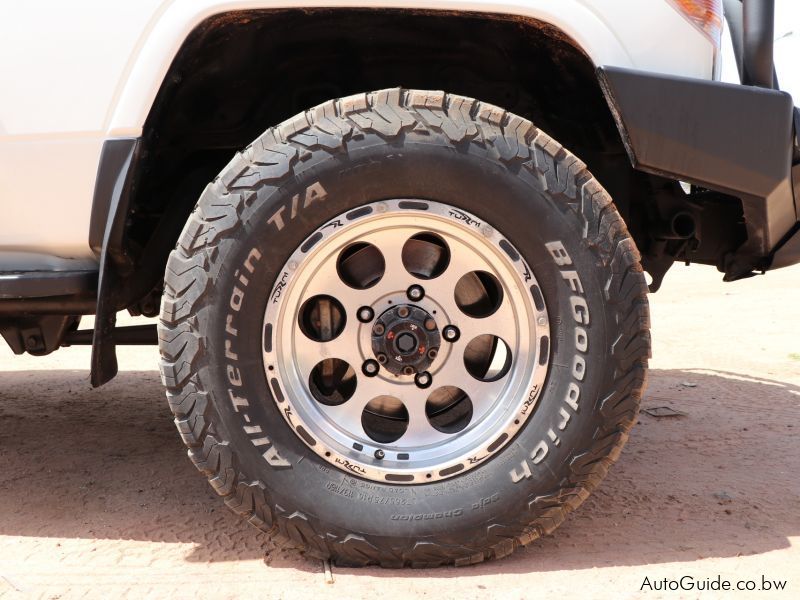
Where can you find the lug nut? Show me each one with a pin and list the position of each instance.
(365, 314)
(451, 333)
(403, 312)
(415, 293)
(379, 454)
(430, 324)
(423, 380)
(381, 358)
(409, 370)
(378, 329)
(433, 353)
(370, 368)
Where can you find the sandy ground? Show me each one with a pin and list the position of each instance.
(97, 497)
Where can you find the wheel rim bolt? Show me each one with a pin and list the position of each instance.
(415, 293)
(378, 329)
(365, 314)
(408, 370)
(370, 368)
(379, 454)
(433, 353)
(451, 333)
(423, 380)
(403, 312)
(381, 358)
(430, 324)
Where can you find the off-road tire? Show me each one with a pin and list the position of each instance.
(391, 141)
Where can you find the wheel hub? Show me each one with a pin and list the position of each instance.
(405, 340)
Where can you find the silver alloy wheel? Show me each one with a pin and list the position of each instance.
(406, 341)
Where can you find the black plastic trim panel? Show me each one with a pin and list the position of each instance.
(112, 170)
(729, 138)
(789, 253)
(109, 210)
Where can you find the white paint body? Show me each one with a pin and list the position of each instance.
(73, 74)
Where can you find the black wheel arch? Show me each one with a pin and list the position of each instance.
(196, 124)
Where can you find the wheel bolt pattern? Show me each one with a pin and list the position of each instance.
(423, 380)
(370, 368)
(451, 333)
(404, 335)
(415, 293)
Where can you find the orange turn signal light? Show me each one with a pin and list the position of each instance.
(706, 15)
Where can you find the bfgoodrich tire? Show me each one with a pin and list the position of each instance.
(312, 224)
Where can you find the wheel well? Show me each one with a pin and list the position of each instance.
(239, 73)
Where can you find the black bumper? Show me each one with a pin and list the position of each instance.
(734, 139)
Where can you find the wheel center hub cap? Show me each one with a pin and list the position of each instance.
(406, 343)
(405, 340)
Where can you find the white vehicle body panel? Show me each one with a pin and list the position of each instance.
(75, 74)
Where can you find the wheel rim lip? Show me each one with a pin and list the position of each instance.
(507, 413)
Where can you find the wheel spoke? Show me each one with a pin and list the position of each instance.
(482, 394)
(328, 283)
(420, 432)
(444, 285)
(348, 414)
(502, 324)
(390, 243)
(309, 353)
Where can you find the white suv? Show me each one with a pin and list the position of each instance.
(405, 326)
